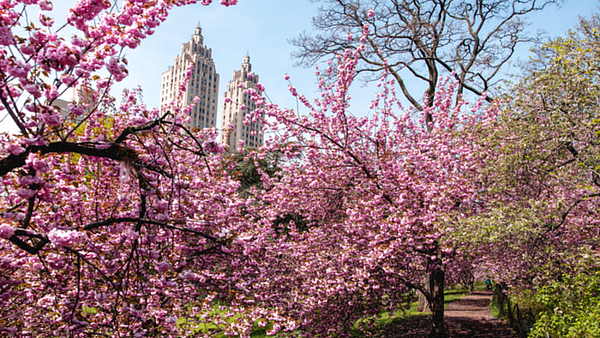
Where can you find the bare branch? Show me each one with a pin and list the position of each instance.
(424, 39)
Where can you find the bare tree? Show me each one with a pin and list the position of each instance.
(423, 39)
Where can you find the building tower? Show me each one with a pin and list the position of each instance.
(238, 103)
(204, 81)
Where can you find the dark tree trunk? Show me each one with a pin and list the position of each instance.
(467, 279)
(436, 283)
(471, 286)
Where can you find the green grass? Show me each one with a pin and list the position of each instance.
(398, 318)
(402, 318)
(453, 295)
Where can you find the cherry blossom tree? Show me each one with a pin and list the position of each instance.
(379, 196)
(420, 41)
(115, 220)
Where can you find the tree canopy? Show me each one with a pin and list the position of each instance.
(117, 220)
(419, 41)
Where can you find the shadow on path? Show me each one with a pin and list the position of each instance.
(465, 318)
(471, 317)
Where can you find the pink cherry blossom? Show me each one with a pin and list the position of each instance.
(76, 110)
(6, 36)
(65, 237)
(33, 90)
(15, 149)
(45, 5)
(6, 231)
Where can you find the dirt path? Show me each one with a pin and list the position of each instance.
(470, 317)
(466, 318)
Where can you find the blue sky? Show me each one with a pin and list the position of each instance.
(262, 27)
(259, 27)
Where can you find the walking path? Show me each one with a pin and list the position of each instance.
(468, 317)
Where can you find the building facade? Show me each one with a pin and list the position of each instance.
(237, 104)
(76, 103)
(204, 82)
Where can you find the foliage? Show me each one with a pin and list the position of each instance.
(541, 225)
(544, 185)
(569, 307)
(248, 166)
(516, 309)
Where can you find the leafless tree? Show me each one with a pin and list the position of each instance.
(424, 39)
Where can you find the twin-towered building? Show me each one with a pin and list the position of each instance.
(204, 84)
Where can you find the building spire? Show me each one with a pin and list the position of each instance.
(204, 113)
(198, 30)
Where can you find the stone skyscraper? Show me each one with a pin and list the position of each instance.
(204, 82)
(238, 103)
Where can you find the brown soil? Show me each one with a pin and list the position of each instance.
(465, 318)
(471, 317)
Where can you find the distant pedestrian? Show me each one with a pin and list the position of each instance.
(488, 284)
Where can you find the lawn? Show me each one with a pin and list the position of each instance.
(387, 320)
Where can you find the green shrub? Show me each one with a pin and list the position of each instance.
(569, 308)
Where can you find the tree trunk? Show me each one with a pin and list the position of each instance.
(436, 283)
(471, 286)
(423, 305)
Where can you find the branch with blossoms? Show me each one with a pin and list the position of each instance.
(112, 212)
(383, 191)
(114, 150)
